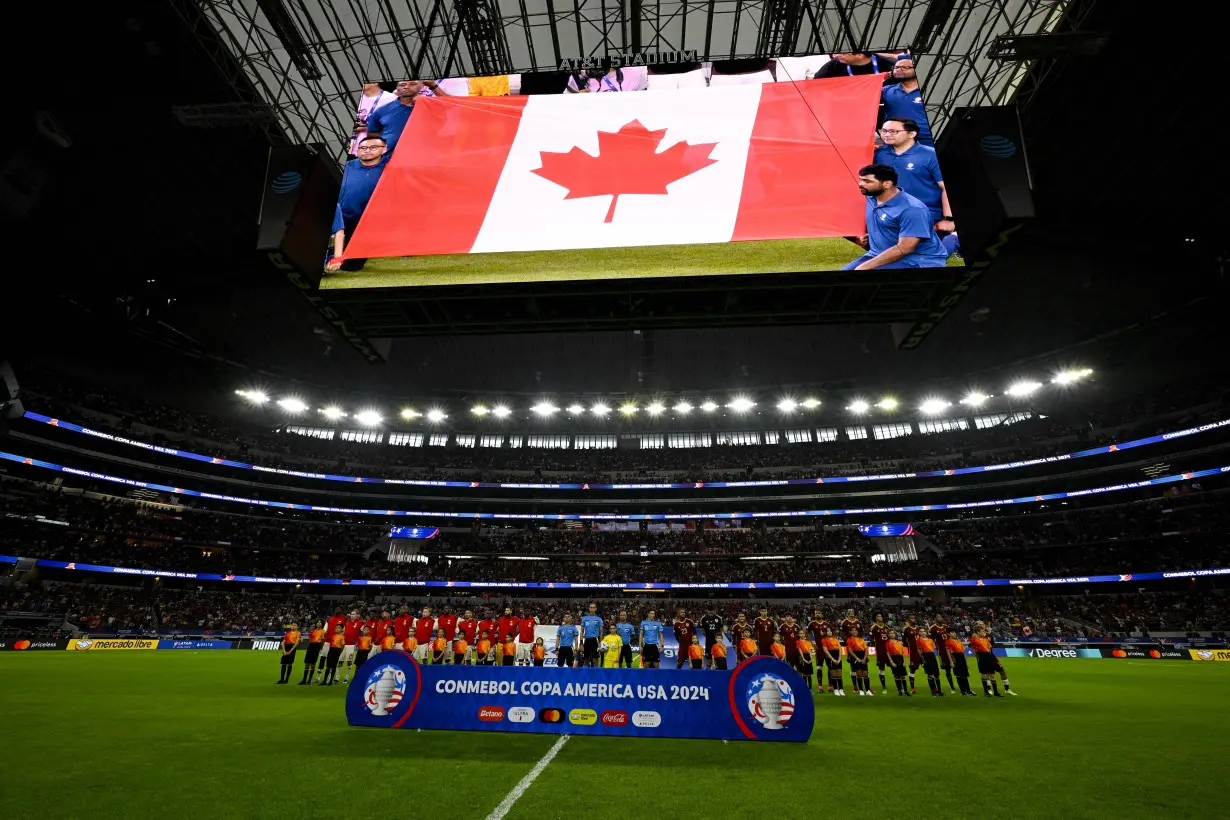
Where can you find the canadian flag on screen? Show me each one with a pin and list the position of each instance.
(487, 174)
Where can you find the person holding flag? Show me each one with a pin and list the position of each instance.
(626, 632)
(651, 641)
(899, 229)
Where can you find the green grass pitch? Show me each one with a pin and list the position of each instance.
(777, 256)
(207, 734)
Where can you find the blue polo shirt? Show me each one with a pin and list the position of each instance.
(358, 185)
(899, 103)
(918, 174)
(389, 121)
(903, 215)
(625, 631)
(591, 626)
(653, 631)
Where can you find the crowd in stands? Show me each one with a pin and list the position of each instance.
(267, 445)
(97, 609)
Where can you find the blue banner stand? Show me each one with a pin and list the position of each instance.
(760, 699)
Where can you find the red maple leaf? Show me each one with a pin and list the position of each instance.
(628, 162)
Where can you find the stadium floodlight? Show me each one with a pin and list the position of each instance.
(859, 406)
(628, 409)
(887, 403)
(500, 411)
(575, 409)
(787, 405)
(292, 405)
(1022, 388)
(408, 413)
(655, 409)
(975, 399)
(1071, 376)
(254, 396)
(368, 418)
(741, 404)
(599, 409)
(435, 414)
(708, 407)
(544, 408)
(479, 410)
(811, 404)
(933, 407)
(683, 408)
(333, 412)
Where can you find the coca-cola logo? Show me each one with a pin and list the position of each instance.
(491, 714)
(614, 717)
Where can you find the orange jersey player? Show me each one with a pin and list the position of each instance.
(956, 651)
(483, 649)
(747, 646)
(777, 649)
(389, 641)
(290, 642)
(510, 650)
(807, 659)
(856, 651)
(410, 645)
(336, 644)
(895, 651)
(830, 649)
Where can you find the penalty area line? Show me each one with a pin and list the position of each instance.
(525, 782)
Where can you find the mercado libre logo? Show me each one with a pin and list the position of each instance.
(770, 701)
(385, 688)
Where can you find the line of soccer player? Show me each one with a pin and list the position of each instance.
(811, 649)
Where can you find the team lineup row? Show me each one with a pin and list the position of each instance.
(346, 641)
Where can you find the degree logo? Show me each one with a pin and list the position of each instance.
(491, 714)
(583, 717)
(551, 715)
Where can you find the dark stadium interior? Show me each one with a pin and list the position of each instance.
(152, 487)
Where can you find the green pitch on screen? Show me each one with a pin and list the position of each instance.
(776, 256)
(208, 735)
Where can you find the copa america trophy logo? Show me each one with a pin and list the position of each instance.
(770, 700)
(385, 688)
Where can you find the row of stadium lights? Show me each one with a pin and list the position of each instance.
(740, 404)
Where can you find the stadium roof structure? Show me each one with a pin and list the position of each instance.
(304, 61)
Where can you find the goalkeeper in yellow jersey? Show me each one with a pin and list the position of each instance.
(612, 645)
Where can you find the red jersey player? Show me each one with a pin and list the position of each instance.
(382, 627)
(939, 635)
(424, 631)
(685, 628)
(508, 623)
(402, 624)
(331, 625)
(909, 637)
(468, 627)
(448, 622)
(879, 642)
(790, 631)
(525, 638)
(351, 631)
(487, 625)
(764, 627)
(848, 625)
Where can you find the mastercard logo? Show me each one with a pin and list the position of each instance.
(1153, 653)
(22, 644)
(1119, 653)
(551, 715)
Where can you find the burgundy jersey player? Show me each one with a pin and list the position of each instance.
(848, 624)
(816, 627)
(791, 630)
(764, 627)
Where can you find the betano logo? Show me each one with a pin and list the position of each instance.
(491, 714)
(583, 717)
